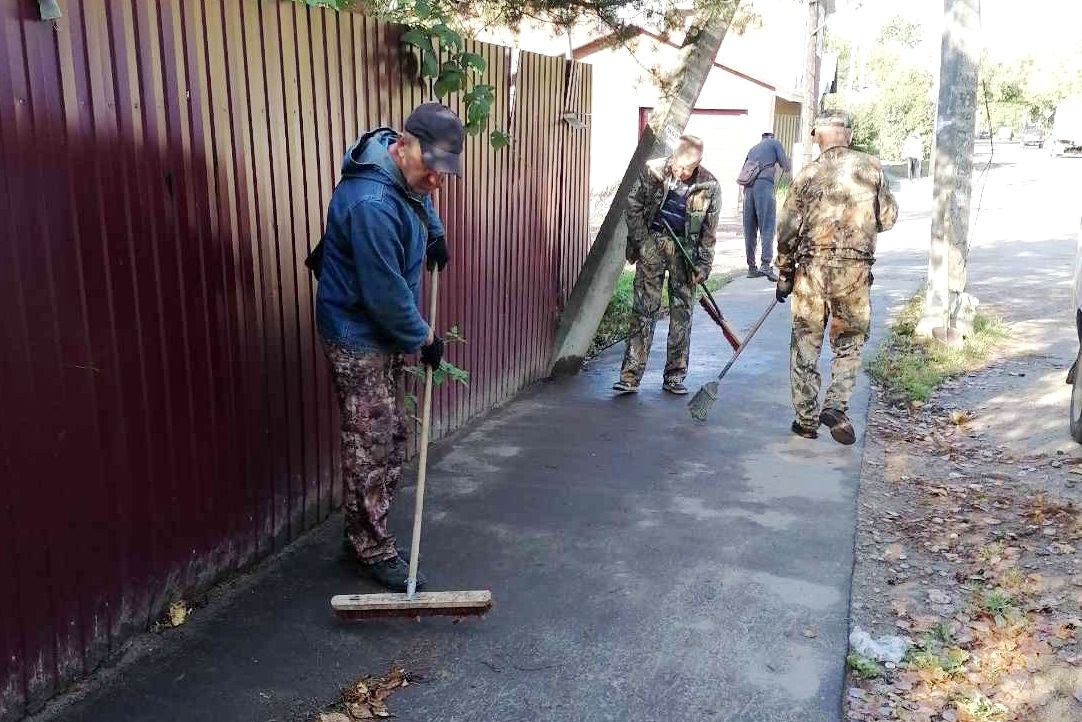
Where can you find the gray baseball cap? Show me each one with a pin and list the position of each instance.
(832, 117)
(441, 133)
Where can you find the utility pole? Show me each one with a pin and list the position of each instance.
(948, 309)
(597, 279)
(811, 79)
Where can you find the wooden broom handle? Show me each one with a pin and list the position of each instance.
(422, 458)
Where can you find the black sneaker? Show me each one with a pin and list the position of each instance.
(754, 272)
(675, 387)
(769, 273)
(391, 573)
(806, 431)
(624, 387)
(840, 427)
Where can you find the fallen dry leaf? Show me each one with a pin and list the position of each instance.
(177, 614)
(365, 698)
(334, 717)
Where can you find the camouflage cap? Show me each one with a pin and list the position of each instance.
(832, 118)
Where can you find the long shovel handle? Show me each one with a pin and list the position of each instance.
(712, 310)
(422, 457)
(726, 330)
(751, 332)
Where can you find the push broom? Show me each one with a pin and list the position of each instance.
(705, 397)
(413, 603)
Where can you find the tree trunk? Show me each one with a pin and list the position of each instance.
(603, 265)
(948, 310)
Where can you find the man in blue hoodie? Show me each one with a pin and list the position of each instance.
(381, 228)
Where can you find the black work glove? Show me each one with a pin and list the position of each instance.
(432, 353)
(437, 255)
(632, 252)
(785, 287)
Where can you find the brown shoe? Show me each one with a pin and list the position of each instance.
(840, 427)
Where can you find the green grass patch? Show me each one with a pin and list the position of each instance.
(614, 324)
(979, 708)
(997, 601)
(864, 667)
(937, 651)
(914, 367)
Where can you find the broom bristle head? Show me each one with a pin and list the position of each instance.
(703, 401)
(422, 604)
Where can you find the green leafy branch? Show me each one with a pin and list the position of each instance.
(445, 63)
(447, 372)
(442, 58)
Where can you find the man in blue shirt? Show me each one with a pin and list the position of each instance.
(381, 228)
(760, 206)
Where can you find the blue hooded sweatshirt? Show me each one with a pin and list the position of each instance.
(373, 252)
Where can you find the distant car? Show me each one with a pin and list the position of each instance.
(1074, 378)
(1033, 136)
(984, 134)
(1005, 133)
(1066, 134)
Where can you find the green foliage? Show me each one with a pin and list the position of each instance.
(912, 368)
(617, 317)
(333, 4)
(902, 32)
(997, 602)
(888, 97)
(614, 322)
(447, 372)
(440, 57)
(937, 651)
(443, 61)
(864, 667)
(979, 708)
(1014, 94)
(781, 190)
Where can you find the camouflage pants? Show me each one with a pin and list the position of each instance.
(658, 255)
(374, 435)
(840, 295)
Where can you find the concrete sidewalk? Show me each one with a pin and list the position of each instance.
(644, 566)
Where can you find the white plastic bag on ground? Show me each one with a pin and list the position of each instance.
(883, 649)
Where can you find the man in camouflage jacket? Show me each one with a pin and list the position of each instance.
(679, 192)
(826, 246)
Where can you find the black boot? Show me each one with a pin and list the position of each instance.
(391, 573)
(806, 431)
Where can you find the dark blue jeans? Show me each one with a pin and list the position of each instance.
(760, 210)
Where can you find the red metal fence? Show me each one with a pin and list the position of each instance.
(166, 411)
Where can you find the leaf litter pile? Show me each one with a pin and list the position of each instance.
(969, 553)
(366, 698)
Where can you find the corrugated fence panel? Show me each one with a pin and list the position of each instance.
(787, 131)
(164, 169)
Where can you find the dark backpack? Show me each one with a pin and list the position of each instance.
(748, 173)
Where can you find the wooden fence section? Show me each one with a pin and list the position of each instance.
(167, 411)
